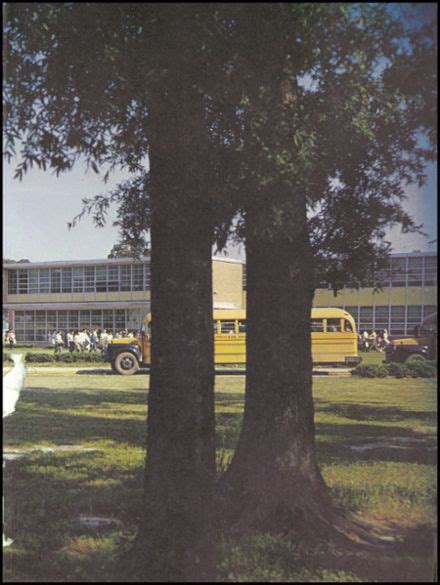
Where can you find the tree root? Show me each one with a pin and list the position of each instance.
(309, 520)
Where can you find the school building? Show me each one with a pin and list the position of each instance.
(111, 294)
(115, 294)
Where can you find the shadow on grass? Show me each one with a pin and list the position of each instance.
(387, 444)
(363, 412)
(61, 428)
(275, 559)
(79, 397)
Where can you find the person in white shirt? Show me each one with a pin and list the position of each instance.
(70, 343)
(59, 342)
(10, 338)
(77, 341)
(374, 341)
(366, 343)
(104, 340)
(86, 340)
(383, 339)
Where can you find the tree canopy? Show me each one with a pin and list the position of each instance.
(357, 127)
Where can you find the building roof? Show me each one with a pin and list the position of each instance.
(68, 263)
(66, 305)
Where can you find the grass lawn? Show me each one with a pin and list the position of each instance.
(375, 441)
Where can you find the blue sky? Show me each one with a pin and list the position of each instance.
(36, 212)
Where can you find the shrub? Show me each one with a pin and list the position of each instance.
(65, 357)
(79, 357)
(370, 371)
(422, 369)
(39, 357)
(397, 370)
(19, 345)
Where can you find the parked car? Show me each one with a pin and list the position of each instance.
(421, 346)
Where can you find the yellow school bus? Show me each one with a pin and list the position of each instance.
(334, 341)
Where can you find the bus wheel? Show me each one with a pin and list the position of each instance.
(414, 358)
(126, 364)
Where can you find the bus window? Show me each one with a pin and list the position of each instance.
(215, 327)
(348, 326)
(242, 326)
(317, 325)
(227, 326)
(333, 325)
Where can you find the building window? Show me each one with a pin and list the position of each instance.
(89, 279)
(415, 271)
(381, 317)
(33, 281)
(44, 280)
(428, 310)
(101, 279)
(36, 326)
(430, 270)
(120, 319)
(397, 324)
(51, 320)
(55, 280)
(96, 319)
(62, 320)
(74, 320)
(78, 279)
(12, 282)
(147, 278)
(398, 271)
(113, 278)
(365, 318)
(125, 277)
(138, 276)
(66, 280)
(84, 319)
(22, 282)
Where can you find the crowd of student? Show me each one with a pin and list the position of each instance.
(377, 341)
(85, 340)
(96, 339)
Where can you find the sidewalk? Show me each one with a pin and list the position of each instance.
(107, 371)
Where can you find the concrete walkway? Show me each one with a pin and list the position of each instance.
(321, 372)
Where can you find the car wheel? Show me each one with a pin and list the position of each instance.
(126, 364)
(414, 358)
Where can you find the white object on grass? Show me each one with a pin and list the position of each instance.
(13, 383)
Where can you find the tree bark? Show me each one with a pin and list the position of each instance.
(176, 540)
(273, 482)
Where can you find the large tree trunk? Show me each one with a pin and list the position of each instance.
(273, 482)
(176, 541)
